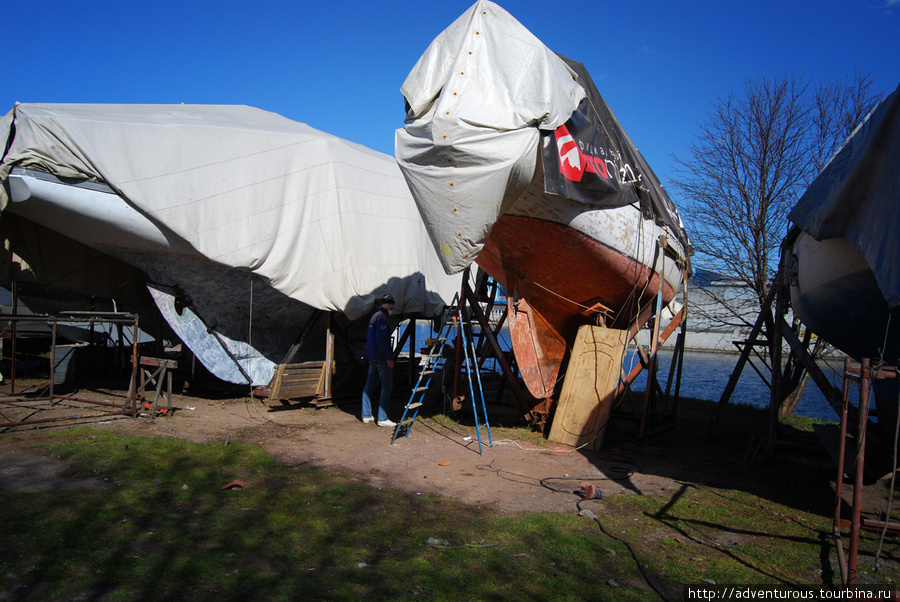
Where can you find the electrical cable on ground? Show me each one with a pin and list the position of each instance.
(546, 482)
(588, 513)
(586, 489)
(251, 404)
(622, 472)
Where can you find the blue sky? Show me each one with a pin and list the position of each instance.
(338, 66)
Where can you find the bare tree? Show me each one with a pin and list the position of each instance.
(756, 153)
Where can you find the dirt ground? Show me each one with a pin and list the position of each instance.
(517, 472)
(511, 472)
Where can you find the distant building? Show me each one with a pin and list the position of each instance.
(721, 310)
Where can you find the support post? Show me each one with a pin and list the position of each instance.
(498, 353)
(636, 371)
(765, 311)
(654, 343)
(14, 336)
(858, 472)
(413, 365)
(52, 357)
(461, 311)
(839, 480)
(329, 355)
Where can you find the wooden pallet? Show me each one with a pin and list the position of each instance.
(296, 381)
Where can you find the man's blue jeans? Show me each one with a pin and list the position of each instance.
(378, 370)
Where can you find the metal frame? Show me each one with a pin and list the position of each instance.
(864, 375)
(128, 406)
(772, 331)
(650, 362)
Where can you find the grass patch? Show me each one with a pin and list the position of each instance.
(161, 527)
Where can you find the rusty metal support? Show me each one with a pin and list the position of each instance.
(58, 419)
(413, 364)
(858, 474)
(653, 366)
(21, 400)
(408, 334)
(636, 371)
(839, 480)
(495, 333)
(865, 374)
(52, 359)
(458, 345)
(132, 397)
(14, 335)
(829, 391)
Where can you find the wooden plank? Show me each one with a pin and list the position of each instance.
(316, 364)
(275, 384)
(323, 391)
(295, 392)
(589, 387)
(301, 378)
(153, 361)
(292, 381)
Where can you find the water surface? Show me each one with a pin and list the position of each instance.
(705, 376)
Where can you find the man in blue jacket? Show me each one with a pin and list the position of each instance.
(381, 363)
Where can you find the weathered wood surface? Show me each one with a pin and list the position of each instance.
(589, 388)
(295, 381)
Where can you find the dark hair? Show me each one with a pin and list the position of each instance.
(387, 299)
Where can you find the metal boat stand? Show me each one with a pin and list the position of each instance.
(487, 344)
(770, 333)
(864, 375)
(660, 406)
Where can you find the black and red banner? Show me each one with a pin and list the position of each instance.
(591, 159)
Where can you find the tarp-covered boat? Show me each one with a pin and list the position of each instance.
(238, 223)
(844, 275)
(842, 265)
(517, 163)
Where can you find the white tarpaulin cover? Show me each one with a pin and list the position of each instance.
(482, 90)
(215, 194)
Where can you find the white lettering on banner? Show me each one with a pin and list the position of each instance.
(570, 155)
(626, 175)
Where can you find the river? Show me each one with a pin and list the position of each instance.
(705, 376)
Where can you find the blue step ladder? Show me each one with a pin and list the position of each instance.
(435, 362)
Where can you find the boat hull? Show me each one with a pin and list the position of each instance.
(835, 294)
(597, 267)
(252, 221)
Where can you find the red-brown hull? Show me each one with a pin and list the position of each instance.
(566, 279)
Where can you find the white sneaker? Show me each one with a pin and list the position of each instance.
(386, 423)
(367, 420)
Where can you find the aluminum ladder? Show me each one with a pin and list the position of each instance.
(433, 363)
(452, 319)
